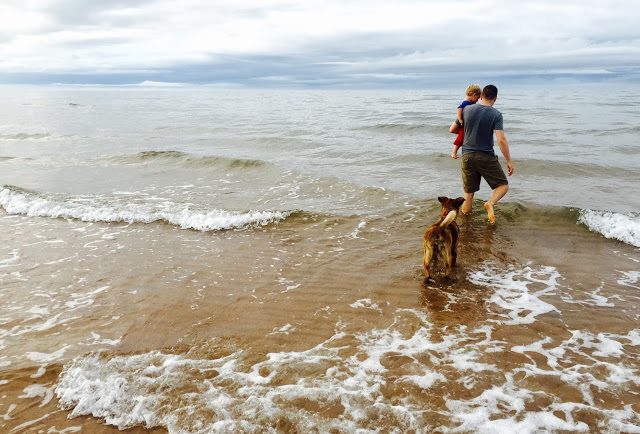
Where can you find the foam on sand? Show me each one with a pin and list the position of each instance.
(383, 378)
(95, 209)
(516, 303)
(340, 378)
(621, 227)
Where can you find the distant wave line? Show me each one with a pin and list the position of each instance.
(180, 157)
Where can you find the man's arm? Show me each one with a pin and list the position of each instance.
(504, 148)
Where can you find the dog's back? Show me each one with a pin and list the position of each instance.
(441, 238)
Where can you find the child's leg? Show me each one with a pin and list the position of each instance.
(454, 152)
(458, 141)
(453, 129)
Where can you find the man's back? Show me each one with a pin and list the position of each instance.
(479, 123)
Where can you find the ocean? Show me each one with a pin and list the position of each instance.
(198, 260)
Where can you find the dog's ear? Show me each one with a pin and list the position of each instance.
(458, 202)
(442, 199)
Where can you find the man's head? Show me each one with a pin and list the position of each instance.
(489, 93)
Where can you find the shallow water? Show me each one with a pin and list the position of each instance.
(198, 261)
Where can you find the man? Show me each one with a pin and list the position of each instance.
(478, 159)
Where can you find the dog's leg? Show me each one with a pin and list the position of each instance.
(454, 246)
(448, 256)
(426, 260)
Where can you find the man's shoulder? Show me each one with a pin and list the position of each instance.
(483, 110)
(492, 111)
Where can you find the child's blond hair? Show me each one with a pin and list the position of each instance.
(473, 89)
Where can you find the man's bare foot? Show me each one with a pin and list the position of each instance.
(490, 214)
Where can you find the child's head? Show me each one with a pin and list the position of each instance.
(473, 92)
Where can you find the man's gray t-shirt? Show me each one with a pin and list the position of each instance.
(479, 123)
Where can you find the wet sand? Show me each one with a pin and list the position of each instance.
(326, 320)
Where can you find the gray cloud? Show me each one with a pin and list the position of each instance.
(65, 13)
(329, 43)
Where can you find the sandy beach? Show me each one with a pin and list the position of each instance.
(320, 323)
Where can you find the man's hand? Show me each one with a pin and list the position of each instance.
(504, 147)
(510, 167)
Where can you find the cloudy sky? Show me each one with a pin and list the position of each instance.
(317, 43)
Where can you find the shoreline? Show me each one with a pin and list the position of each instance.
(295, 289)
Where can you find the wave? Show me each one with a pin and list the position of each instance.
(566, 168)
(525, 166)
(633, 129)
(179, 157)
(613, 225)
(621, 227)
(397, 127)
(25, 136)
(16, 200)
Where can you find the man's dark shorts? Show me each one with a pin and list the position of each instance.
(476, 165)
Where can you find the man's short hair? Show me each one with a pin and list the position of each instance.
(490, 92)
(473, 89)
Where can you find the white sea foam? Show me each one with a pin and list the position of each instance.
(365, 303)
(11, 260)
(38, 390)
(96, 339)
(16, 201)
(23, 426)
(622, 227)
(595, 298)
(7, 415)
(357, 230)
(630, 278)
(511, 293)
(84, 299)
(29, 327)
(343, 383)
(67, 430)
(285, 329)
(224, 394)
(38, 357)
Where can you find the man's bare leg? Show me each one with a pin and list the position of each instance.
(498, 193)
(468, 204)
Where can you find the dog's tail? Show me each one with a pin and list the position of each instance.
(449, 218)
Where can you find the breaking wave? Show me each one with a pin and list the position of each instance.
(621, 227)
(15, 200)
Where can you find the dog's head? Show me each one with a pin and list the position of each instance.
(449, 205)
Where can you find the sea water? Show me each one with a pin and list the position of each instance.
(201, 260)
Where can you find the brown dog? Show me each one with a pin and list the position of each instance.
(442, 236)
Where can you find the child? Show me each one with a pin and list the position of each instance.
(473, 95)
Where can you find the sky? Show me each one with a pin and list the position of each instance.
(318, 43)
